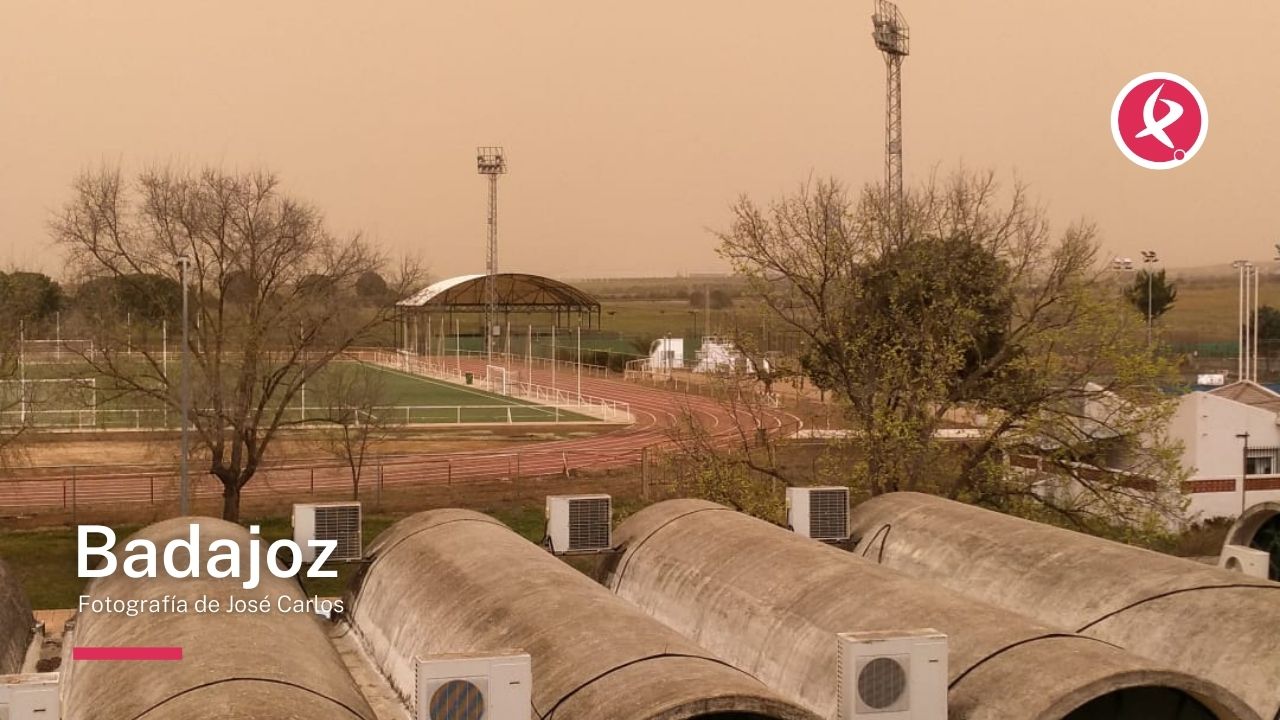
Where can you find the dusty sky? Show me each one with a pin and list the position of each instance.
(630, 127)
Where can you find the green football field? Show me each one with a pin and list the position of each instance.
(69, 395)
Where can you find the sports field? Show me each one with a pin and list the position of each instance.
(71, 395)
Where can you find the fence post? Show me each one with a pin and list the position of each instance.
(313, 481)
(517, 466)
(73, 495)
(151, 482)
(449, 476)
(644, 473)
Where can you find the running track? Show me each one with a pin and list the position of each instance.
(656, 413)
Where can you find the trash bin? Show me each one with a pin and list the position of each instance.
(470, 378)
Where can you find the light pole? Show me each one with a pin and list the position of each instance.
(1244, 469)
(1149, 258)
(184, 484)
(492, 162)
(1244, 370)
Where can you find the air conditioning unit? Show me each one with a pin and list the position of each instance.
(821, 513)
(338, 521)
(474, 687)
(29, 696)
(892, 675)
(1250, 561)
(579, 523)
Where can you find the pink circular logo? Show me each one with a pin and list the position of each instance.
(1159, 120)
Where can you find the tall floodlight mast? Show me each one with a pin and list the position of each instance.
(893, 39)
(491, 161)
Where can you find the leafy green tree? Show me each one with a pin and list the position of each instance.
(1268, 323)
(1163, 292)
(141, 298)
(13, 423)
(976, 313)
(372, 287)
(31, 297)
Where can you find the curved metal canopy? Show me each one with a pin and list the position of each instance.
(516, 291)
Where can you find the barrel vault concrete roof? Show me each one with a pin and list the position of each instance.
(456, 581)
(268, 666)
(1195, 618)
(771, 602)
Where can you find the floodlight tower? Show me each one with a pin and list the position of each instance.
(492, 162)
(893, 39)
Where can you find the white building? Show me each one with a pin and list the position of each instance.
(721, 355)
(666, 354)
(1211, 426)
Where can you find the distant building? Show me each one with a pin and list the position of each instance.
(721, 355)
(1211, 427)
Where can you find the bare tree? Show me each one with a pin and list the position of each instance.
(14, 423)
(271, 295)
(355, 404)
(974, 313)
(734, 465)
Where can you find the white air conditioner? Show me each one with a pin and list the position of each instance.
(338, 521)
(29, 696)
(474, 687)
(821, 513)
(892, 675)
(579, 523)
(1250, 561)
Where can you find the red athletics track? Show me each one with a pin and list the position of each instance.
(656, 412)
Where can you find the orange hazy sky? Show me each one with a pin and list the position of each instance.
(629, 128)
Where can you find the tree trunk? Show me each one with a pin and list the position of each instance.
(230, 501)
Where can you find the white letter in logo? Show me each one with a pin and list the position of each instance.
(104, 552)
(1156, 129)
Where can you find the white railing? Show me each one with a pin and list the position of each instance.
(442, 369)
(158, 419)
(646, 369)
(89, 419)
(512, 361)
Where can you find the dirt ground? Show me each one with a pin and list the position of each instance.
(51, 450)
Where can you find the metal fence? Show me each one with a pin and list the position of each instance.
(78, 490)
(558, 399)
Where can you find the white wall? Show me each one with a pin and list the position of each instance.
(1207, 425)
(1226, 504)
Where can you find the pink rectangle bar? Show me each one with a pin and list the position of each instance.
(81, 652)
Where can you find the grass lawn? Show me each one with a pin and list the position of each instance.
(1206, 311)
(45, 560)
(409, 398)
